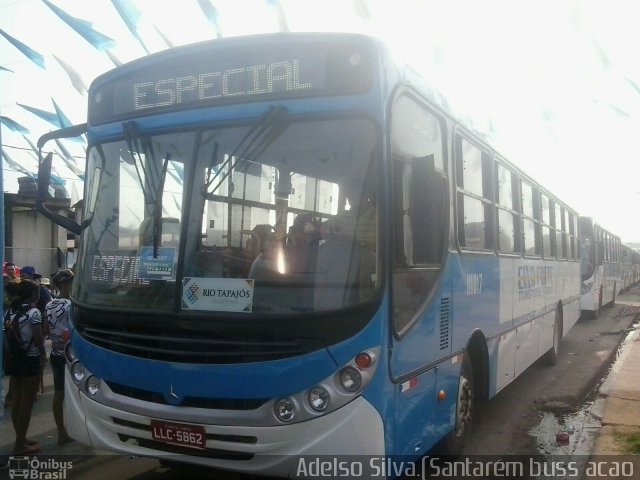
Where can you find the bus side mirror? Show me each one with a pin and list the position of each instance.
(44, 177)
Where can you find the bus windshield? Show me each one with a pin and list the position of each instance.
(281, 212)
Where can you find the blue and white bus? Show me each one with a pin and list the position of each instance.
(601, 266)
(630, 267)
(288, 249)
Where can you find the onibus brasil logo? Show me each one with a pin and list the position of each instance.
(34, 468)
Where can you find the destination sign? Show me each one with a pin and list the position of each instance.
(236, 82)
(205, 75)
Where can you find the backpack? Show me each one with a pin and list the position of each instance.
(14, 351)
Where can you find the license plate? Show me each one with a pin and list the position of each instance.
(178, 434)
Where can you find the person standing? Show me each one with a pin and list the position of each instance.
(30, 273)
(58, 315)
(10, 270)
(25, 321)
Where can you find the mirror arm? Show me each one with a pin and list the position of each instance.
(61, 220)
(73, 131)
(44, 177)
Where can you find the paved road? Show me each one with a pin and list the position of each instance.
(586, 354)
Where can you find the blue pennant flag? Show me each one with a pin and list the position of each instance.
(83, 28)
(30, 53)
(64, 121)
(56, 180)
(65, 153)
(6, 69)
(115, 60)
(165, 39)
(283, 26)
(74, 76)
(632, 84)
(130, 16)
(361, 8)
(67, 159)
(13, 125)
(212, 16)
(49, 117)
(16, 166)
(32, 145)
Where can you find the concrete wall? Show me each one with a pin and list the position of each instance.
(36, 241)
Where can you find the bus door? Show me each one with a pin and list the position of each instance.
(421, 294)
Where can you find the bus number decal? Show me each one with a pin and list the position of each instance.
(474, 284)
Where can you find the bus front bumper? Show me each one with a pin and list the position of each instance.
(351, 431)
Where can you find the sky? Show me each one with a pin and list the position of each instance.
(554, 85)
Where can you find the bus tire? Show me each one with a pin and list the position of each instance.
(465, 409)
(551, 357)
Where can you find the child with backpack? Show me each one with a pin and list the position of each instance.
(24, 345)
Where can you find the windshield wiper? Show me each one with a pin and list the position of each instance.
(268, 127)
(153, 195)
(157, 212)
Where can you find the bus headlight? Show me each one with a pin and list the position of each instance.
(78, 372)
(350, 379)
(319, 398)
(92, 387)
(285, 409)
(346, 383)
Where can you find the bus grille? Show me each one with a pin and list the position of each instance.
(195, 347)
(197, 402)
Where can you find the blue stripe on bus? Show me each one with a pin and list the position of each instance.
(250, 380)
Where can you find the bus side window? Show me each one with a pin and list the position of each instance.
(420, 230)
(419, 208)
(426, 211)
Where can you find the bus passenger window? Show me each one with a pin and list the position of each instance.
(530, 219)
(473, 171)
(508, 238)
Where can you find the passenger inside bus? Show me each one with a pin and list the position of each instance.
(346, 258)
(357, 218)
(302, 245)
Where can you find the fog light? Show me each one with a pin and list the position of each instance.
(78, 372)
(92, 387)
(319, 399)
(285, 409)
(350, 379)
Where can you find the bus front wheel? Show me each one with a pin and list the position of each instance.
(465, 406)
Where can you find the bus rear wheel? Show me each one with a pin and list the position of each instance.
(465, 407)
